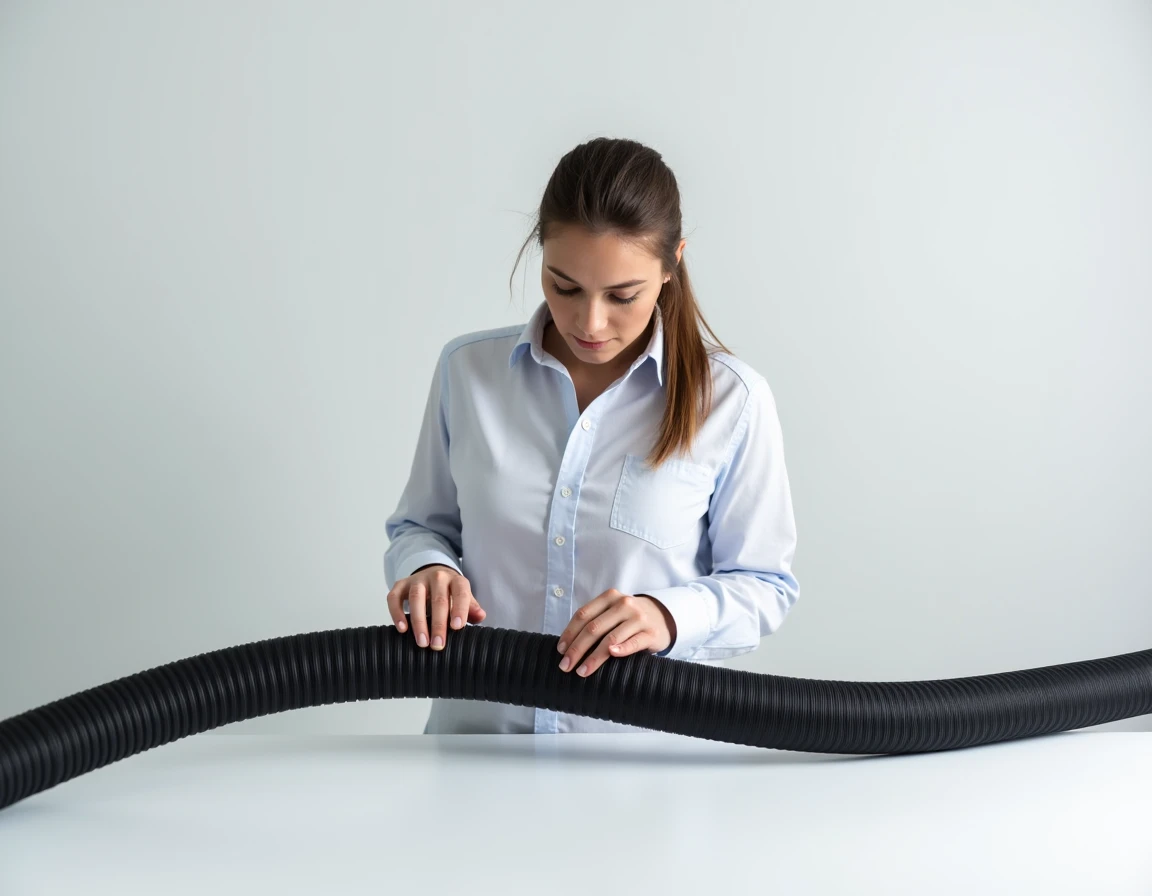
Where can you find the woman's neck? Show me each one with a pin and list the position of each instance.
(605, 374)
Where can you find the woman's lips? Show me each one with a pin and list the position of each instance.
(591, 346)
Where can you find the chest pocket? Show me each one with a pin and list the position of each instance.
(662, 506)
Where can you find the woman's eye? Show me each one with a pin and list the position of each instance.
(617, 299)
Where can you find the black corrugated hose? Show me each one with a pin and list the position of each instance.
(60, 740)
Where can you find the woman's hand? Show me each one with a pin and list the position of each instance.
(441, 589)
(615, 624)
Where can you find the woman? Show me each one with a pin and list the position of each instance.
(600, 474)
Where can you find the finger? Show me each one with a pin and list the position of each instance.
(417, 607)
(641, 640)
(580, 618)
(440, 605)
(460, 601)
(396, 605)
(628, 630)
(590, 635)
(610, 599)
(476, 613)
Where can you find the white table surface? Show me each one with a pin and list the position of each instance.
(589, 814)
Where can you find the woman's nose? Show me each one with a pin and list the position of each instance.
(592, 319)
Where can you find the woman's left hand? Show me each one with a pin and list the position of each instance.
(616, 624)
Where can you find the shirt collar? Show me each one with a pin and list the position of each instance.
(532, 341)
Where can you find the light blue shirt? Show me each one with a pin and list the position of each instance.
(544, 508)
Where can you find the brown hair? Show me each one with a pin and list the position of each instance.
(622, 187)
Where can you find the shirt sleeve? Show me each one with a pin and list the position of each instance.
(425, 527)
(753, 533)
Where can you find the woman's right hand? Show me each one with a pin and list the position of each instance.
(445, 591)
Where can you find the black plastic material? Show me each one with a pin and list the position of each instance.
(42, 747)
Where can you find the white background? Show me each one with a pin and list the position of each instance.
(235, 235)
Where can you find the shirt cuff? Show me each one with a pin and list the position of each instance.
(690, 612)
(425, 558)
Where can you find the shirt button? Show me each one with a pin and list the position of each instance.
(566, 492)
(586, 423)
(559, 539)
(559, 592)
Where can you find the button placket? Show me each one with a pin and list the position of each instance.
(562, 523)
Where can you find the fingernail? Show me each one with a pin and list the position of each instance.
(422, 639)
(437, 642)
(562, 646)
(583, 670)
(564, 664)
(457, 622)
(401, 626)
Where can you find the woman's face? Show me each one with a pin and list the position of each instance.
(602, 292)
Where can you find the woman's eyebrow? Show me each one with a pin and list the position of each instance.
(560, 273)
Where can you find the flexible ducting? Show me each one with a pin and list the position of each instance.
(42, 747)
